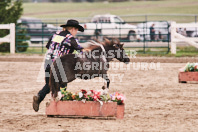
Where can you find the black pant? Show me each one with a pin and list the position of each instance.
(152, 36)
(46, 89)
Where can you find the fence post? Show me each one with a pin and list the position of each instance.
(173, 44)
(12, 38)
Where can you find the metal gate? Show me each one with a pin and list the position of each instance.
(32, 35)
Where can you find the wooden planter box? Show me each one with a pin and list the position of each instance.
(89, 109)
(185, 77)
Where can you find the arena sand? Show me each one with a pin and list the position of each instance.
(155, 101)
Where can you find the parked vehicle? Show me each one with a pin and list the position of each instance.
(191, 31)
(36, 29)
(109, 26)
(161, 30)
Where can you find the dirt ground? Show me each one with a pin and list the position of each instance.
(155, 101)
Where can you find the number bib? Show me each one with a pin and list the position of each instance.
(58, 39)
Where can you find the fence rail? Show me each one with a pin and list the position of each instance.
(9, 38)
(176, 37)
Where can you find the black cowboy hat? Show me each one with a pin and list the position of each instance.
(73, 23)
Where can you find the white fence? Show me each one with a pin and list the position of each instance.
(176, 37)
(10, 38)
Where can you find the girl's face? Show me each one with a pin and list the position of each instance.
(74, 31)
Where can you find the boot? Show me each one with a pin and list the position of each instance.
(36, 102)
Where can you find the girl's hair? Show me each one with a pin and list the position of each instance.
(68, 28)
(64, 28)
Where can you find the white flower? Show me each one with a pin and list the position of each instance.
(59, 96)
(89, 93)
(80, 94)
(101, 103)
(83, 100)
(113, 98)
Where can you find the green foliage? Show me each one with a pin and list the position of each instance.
(10, 12)
(5, 47)
(89, 98)
(67, 96)
(22, 46)
(191, 67)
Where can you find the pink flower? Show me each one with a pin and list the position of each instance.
(96, 95)
(118, 97)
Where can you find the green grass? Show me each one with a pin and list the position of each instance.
(35, 50)
(68, 9)
(188, 51)
(4, 53)
(181, 51)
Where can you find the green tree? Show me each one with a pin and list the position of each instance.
(10, 12)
